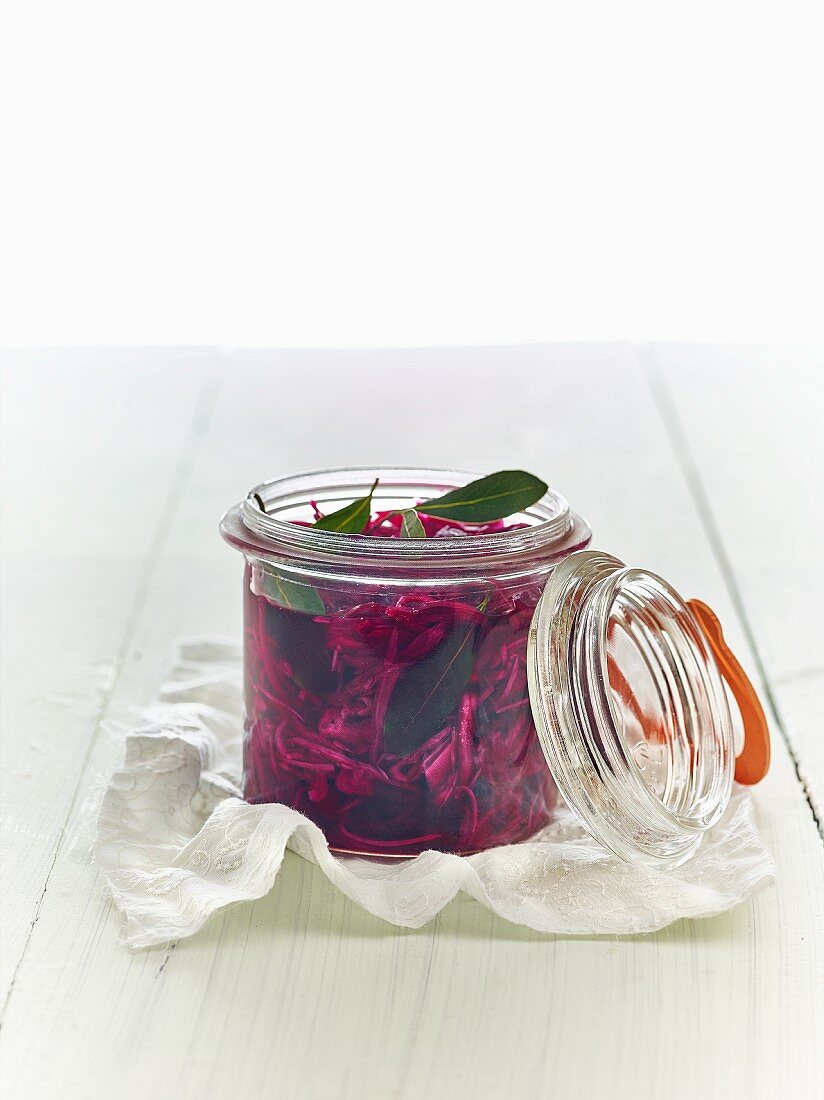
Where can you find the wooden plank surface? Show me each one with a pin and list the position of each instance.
(302, 994)
(95, 451)
(748, 423)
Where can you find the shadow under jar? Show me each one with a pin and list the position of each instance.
(386, 679)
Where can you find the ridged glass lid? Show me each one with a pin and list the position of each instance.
(630, 708)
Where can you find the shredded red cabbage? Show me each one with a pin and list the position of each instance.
(398, 722)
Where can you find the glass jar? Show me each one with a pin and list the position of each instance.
(385, 679)
(412, 694)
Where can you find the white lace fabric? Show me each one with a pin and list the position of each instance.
(175, 842)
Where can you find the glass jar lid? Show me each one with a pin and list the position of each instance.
(630, 708)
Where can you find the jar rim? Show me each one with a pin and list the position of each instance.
(550, 521)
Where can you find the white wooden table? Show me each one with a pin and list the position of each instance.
(703, 463)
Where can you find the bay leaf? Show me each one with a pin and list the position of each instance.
(411, 526)
(352, 518)
(428, 691)
(287, 593)
(493, 497)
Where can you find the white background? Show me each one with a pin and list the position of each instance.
(351, 173)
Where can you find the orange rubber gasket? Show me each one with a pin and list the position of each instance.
(754, 761)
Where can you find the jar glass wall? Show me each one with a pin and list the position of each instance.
(385, 679)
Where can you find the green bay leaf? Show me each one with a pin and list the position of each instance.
(411, 526)
(493, 497)
(428, 691)
(287, 593)
(352, 518)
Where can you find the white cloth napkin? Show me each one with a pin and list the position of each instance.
(175, 841)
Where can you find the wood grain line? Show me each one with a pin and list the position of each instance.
(669, 414)
(201, 418)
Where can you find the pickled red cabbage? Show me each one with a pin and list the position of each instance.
(397, 722)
